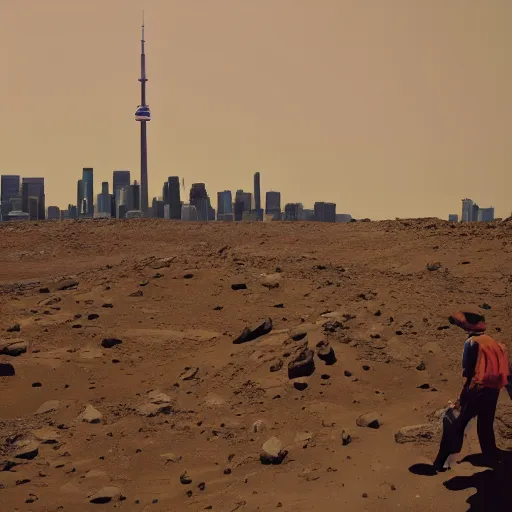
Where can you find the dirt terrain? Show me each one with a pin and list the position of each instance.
(137, 387)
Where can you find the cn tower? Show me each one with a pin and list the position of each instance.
(143, 115)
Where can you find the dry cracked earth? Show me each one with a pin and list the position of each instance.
(148, 365)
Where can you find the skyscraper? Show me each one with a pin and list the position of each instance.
(467, 210)
(199, 198)
(273, 203)
(224, 205)
(245, 198)
(174, 197)
(120, 179)
(33, 189)
(10, 187)
(143, 115)
(257, 196)
(325, 212)
(88, 192)
(104, 201)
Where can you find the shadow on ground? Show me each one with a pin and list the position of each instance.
(493, 486)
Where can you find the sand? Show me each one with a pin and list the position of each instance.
(130, 393)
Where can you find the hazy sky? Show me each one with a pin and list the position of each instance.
(386, 107)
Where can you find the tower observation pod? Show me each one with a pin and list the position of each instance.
(143, 113)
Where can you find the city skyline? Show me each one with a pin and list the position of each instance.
(341, 118)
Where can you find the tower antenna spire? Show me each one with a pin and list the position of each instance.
(143, 115)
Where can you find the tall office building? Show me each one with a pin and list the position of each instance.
(200, 199)
(467, 210)
(104, 201)
(257, 196)
(165, 194)
(173, 184)
(273, 204)
(33, 189)
(53, 213)
(325, 212)
(120, 179)
(9, 187)
(157, 208)
(224, 203)
(245, 198)
(293, 211)
(486, 214)
(453, 217)
(88, 192)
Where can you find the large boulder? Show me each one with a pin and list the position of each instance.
(272, 452)
(66, 284)
(302, 366)
(49, 406)
(7, 370)
(425, 433)
(255, 331)
(106, 495)
(369, 420)
(91, 415)
(13, 348)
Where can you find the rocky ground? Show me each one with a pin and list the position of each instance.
(157, 366)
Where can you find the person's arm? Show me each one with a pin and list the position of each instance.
(469, 359)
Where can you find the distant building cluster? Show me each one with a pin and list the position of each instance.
(24, 199)
(471, 212)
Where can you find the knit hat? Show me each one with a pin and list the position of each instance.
(470, 322)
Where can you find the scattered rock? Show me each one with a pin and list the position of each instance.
(280, 305)
(144, 283)
(276, 366)
(271, 281)
(347, 373)
(300, 384)
(26, 449)
(332, 326)
(7, 464)
(239, 286)
(66, 284)
(201, 486)
(366, 368)
(14, 328)
(299, 333)
(254, 332)
(36, 384)
(485, 306)
(325, 352)
(427, 432)
(110, 342)
(159, 403)
(346, 438)
(258, 426)
(171, 457)
(93, 316)
(218, 308)
(46, 435)
(189, 373)
(14, 348)
(106, 495)
(161, 263)
(272, 452)
(434, 266)
(44, 290)
(49, 406)
(138, 293)
(185, 479)
(302, 366)
(7, 370)
(369, 420)
(188, 276)
(421, 367)
(424, 386)
(107, 305)
(91, 415)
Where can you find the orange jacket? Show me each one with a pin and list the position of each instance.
(492, 364)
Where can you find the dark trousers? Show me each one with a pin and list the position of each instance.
(476, 402)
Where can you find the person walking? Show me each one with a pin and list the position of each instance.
(486, 370)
